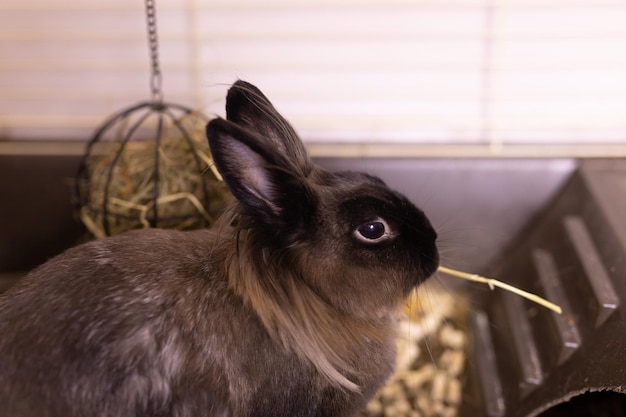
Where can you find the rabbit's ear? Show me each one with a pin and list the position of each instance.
(248, 107)
(264, 181)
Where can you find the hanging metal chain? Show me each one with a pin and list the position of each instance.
(156, 81)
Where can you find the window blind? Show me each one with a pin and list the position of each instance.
(443, 72)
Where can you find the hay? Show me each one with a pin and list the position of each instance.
(493, 283)
(430, 364)
(184, 172)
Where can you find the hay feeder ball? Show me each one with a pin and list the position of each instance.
(149, 165)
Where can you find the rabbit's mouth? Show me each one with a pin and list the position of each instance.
(430, 263)
(429, 254)
(431, 257)
(426, 263)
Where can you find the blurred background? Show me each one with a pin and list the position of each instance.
(430, 77)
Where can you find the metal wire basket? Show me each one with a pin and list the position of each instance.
(149, 165)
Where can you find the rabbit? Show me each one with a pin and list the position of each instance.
(286, 306)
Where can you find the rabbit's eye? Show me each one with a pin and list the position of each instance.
(372, 232)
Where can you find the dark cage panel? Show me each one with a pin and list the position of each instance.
(528, 361)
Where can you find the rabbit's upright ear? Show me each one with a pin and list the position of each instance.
(246, 106)
(265, 181)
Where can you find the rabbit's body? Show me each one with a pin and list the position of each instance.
(284, 308)
(137, 342)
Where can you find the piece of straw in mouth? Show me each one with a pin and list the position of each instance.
(492, 283)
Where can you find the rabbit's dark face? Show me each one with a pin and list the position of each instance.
(368, 244)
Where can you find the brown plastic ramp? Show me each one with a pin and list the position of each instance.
(525, 359)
